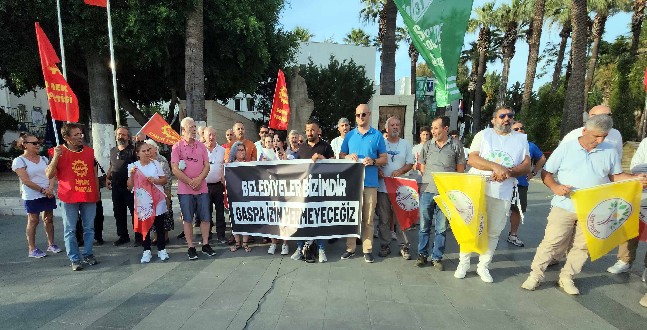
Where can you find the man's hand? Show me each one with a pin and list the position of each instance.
(57, 152)
(368, 161)
(395, 173)
(561, 190)
(380, 174)
(643, 179)
(108, 184)
(316, 157)
(352, 157)
(500, 173)
(530, 176)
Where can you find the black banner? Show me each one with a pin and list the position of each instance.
(295, 199)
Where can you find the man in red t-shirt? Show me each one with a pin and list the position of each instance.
(78, 190)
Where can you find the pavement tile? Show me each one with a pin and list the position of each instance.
(485, 319)
(302, 321)
(346, 323)
(209, 319)
(263, 322)
(382, 312)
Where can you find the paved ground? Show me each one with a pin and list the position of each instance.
(257, 291)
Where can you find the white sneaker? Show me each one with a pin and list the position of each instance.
(619, 267)
(322, 256)
(146, 257)
(272, 249)
(461, 270)
(484, 273)
(530, 284)
(163, 255)
(285, 250)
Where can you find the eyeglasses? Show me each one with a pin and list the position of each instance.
(518, 129)
(363, 114)
(300, 141)
(509, 114)
(36, 143)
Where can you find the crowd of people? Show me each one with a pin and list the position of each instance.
(586, 157)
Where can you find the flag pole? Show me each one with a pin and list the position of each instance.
(113, 65)
(63, 66)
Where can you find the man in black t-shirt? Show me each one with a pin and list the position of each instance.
(120, 156)
(314, 149)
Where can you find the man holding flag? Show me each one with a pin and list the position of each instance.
(501, 154)
(576, 164)
(399, 162)
(442, 154)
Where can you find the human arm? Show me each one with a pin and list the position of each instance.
(640, 156)
(26, 180)
(521, 169)
(552, 184)
(499, 172)
(50, 172)
(402, 170)
(626, 176)
(538, 166)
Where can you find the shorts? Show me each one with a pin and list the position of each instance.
(36, 206)
(194, 207)
(523, 200)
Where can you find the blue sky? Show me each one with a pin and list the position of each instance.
(333, 19)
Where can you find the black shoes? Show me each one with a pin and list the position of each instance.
(121, 241)
(206, 249)
(193, 254)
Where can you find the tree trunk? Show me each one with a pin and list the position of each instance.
(413, 55)
(101, 112)
(508, 46)
(387, 72)
(533, 52)
(194, 63)
(636, 24)
(557, 74)
(574, 98)
(596, 34)
(483, 44)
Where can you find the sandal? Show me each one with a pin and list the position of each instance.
(231, 241)
(246, 247)
(235, 247)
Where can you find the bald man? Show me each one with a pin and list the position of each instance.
(614, 137)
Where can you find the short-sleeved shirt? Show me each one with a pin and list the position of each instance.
(336, 145)
(614, 138)
(535, 154)
(370, 144)
(152, 169)
(573, 166)
(216, 159)
(194, 155)
(321, 147)
(437, 159)
(36, 174)
(119, 160)
(398, 154)
(250, 151)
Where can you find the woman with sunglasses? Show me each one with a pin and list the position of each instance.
(37, 193)
(238, 153)
(152, 170)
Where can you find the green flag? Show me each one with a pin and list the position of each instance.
(437, 29)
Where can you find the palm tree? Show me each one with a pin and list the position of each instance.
(401, 34)
(482, 22)
(194, 63)
(358, 37)
(603, 9)
(302, 34)
(385, 12)
(533, 39)
(574, 97)
(508, 18)
(636, 24)
(559, 14)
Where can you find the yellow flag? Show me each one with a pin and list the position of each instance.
(608, 214)
(462, 200)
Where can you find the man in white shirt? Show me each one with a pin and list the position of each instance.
(262, 133)
(343, 125)
(415, 173)
(614, 137)
(215, 182)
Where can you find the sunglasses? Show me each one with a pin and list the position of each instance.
(509, 114)
(518, 129)
(363, 114)
(36, 143)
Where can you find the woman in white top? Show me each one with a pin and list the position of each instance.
(152, 170)
(279, 151)
(37, 193)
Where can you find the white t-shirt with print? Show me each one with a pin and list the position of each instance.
(397, 154)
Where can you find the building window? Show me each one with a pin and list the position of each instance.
(250, 104)
(237, 104)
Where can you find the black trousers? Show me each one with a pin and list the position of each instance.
(216, 199)
(122, 202)
(159, 230)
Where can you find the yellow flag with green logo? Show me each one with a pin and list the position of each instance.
(608, 214)
(462, 200)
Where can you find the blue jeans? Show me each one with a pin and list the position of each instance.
(70, 217)
(428, 207)
(320, 242)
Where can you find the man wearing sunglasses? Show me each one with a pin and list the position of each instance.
(365, 144)
(501, 154)
(537, 157)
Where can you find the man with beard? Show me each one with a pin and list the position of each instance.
(501, 154)
(122, 198)
(262, 133)
(293, 144)
(343, 125)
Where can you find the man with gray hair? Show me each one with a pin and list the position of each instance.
(577, 164)
(293, 144)
(343, 125)
(122, 199)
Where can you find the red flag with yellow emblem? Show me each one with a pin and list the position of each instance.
(147, 196)
(63, 104)
(280, 107)
(159, 130)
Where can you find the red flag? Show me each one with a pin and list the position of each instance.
(63, 104)
(99, 3)
(642, 219)
(280, 107)
(159, 130)
(147, 196)
(405, 200)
